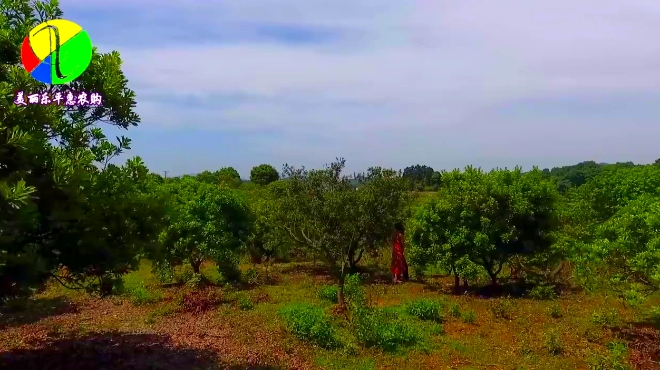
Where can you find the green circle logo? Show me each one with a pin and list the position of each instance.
(56, 52)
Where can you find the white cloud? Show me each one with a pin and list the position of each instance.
(428, 67)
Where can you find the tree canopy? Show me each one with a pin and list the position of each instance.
(264, 174)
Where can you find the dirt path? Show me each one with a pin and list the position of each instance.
(100, 334)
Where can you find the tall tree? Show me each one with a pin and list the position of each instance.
(323, 211)
(57, 189)
(264, 174)
(419, 176)
(486, 217)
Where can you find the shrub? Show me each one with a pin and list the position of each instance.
(329, 293)
(383, 329)
(310, 323)
(469, 317)
(355, 296)
(245, 304)
(608, 318)
(543, 292)
(553, 343)
(613, 360)
(425, 309)
(502, 308)
(555, 311)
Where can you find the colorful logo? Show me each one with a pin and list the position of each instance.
(56, 52)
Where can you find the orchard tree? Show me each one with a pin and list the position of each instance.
(486, 217)
(60, 200)
(323, 211)
(264, 174)
(204, 222)
(419, 176)
(229, 176)
(615, 186)
(380, 201)
(625, 254)
(266, 240)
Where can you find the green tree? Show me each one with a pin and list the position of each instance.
(266, 240)
(229, 176)
(626, 251)
(323, 211)
(419, 176)
(204, 222)
(60, 200)
(264, 174)
(488, 217)
(381, 200)
(617, 185)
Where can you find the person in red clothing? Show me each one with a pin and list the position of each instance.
(399, 267)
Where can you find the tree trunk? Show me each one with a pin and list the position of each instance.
(352, 260)
(457, 279)
(493, 277)
(465, 284)
(195, 265)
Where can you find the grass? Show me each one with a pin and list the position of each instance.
(296, 322)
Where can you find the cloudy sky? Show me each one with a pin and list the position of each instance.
(385, 82)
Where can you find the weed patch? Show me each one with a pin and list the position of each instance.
(607, 318)
(613, 359)
(469, 317)
(543, 292)
(162, 311)
(555, 311)
(329, 293)
(455, 310)
(135, 288)
(307, 322)
(502, 308)
(552, 343)
(425, 309)
(245, 303)
(384, 329)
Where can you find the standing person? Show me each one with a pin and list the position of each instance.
(399, 267)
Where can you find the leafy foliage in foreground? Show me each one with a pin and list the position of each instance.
(308, 322)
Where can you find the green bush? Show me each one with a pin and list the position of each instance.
(329, 293)
(543, 292)
(425, 309)
(384, 329)
(309, 323)
(613, 360)
(354, 293)
(555, 311)
(553, 343)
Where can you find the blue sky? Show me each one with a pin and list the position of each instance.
(385, 82)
